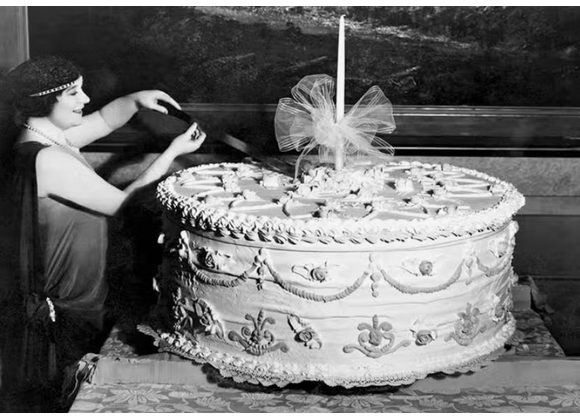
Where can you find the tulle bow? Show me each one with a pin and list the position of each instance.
(308, 121)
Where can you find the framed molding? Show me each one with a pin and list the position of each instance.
(427, 131)
(14, 47)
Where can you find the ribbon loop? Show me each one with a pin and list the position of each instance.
(308, 120)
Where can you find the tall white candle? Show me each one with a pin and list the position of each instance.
(339, 151)
(340, 72)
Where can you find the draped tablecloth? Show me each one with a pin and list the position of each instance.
(532, 376)
(208, 398)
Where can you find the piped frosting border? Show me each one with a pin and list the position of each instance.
(325, 231)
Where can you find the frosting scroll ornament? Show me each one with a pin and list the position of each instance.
(313, 273)
(208, 319)
(183, 246)
(304, 333)
(259, 340)
(370, 341)
(190, 312)
(212, 259)
(500, 308)
(501, 254)
(499, 247)
(467, 327)
(182, 310)
(206, 257)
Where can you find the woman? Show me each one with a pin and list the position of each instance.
(63, 206)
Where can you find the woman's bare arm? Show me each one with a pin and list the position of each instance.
(116, 114)
(61, 175)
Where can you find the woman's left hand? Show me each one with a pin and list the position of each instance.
(150, 99)
(189, 141)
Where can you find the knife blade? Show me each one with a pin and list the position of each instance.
(272, 163)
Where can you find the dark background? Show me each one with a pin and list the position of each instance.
(480, 56)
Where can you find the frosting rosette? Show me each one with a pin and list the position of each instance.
(308, 121)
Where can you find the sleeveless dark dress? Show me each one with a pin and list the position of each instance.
(61, 274)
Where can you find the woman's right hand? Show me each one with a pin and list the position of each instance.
(189, 141)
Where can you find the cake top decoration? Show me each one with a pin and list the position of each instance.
(310, 120)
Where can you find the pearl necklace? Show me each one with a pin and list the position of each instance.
(67, 145)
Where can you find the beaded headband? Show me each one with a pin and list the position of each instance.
(56, 89)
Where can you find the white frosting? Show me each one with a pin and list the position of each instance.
(424, 285)
(365, 208)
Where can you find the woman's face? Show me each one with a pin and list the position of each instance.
(67, 112)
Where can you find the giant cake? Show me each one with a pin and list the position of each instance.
(371, 275)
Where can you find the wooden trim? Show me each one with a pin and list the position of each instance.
(428, 131)
(459, 121)
(551, 206)
(410, 110)
(14, 48)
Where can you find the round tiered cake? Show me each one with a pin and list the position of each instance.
(372, 275)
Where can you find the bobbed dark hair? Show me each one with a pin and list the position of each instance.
(34, 76)
(16, 105)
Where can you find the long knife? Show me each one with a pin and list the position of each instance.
(272, 163)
